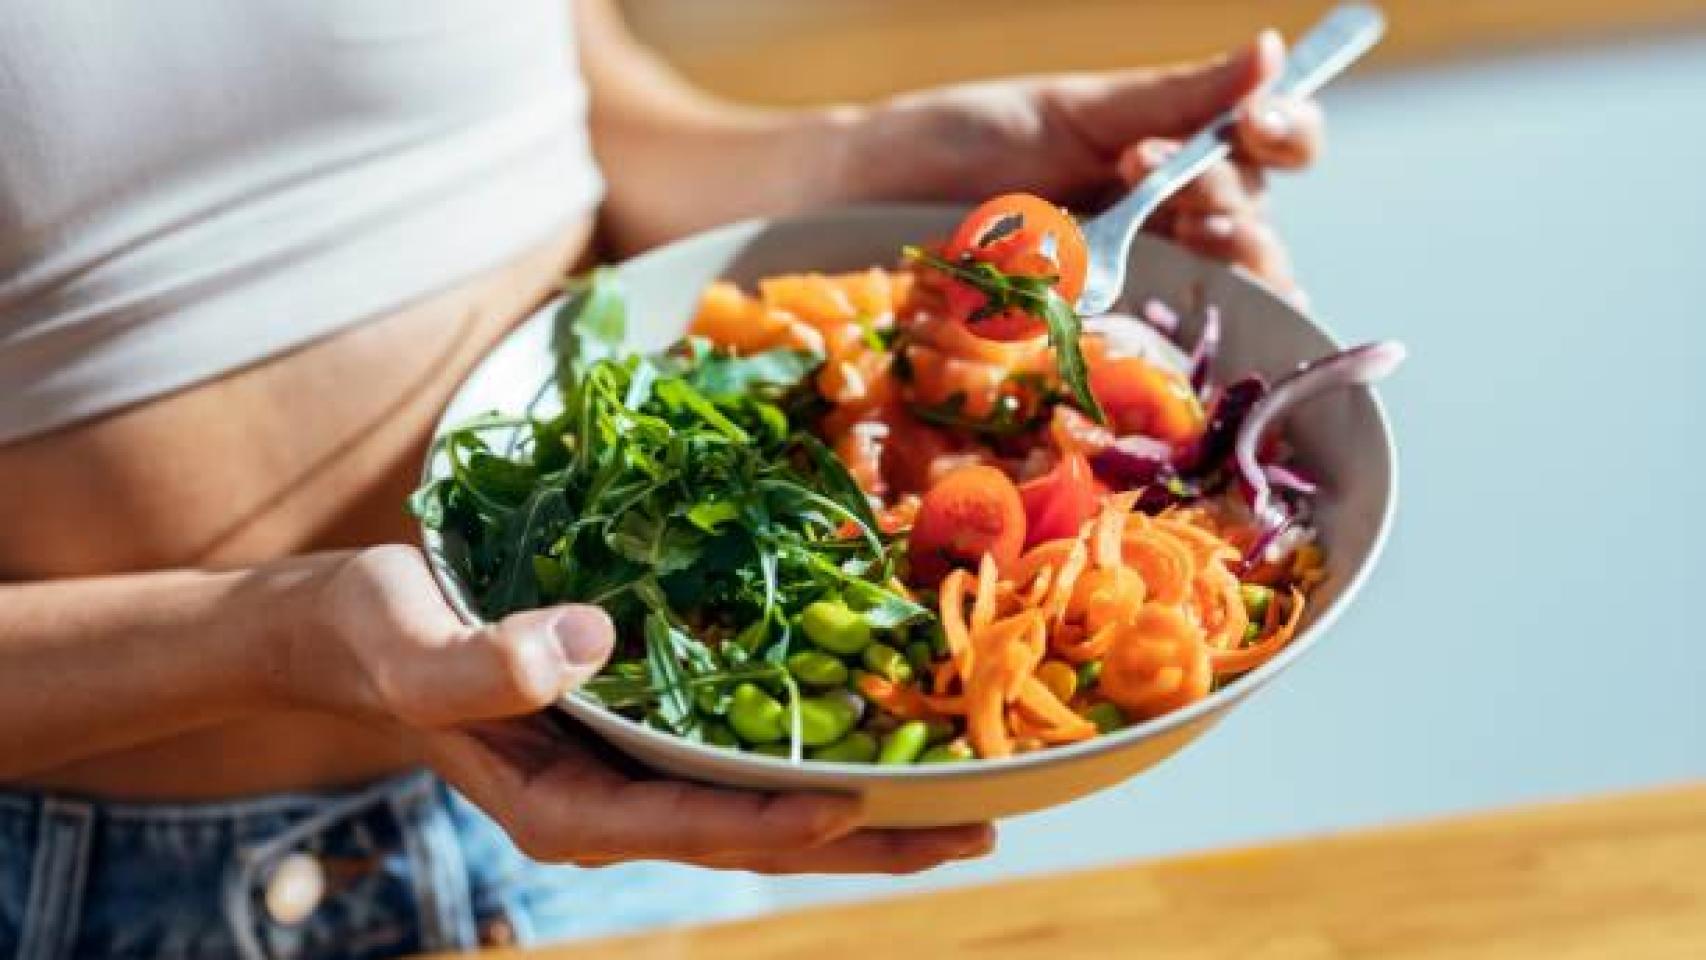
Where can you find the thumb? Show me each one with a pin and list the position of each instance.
(519, 665)
(1117, 110)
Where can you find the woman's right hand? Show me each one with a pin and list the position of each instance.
(380, 642)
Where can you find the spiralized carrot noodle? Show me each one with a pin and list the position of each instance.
(1157, 663)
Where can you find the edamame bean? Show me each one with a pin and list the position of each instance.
(1105, 716)
(887, 662)
(835, 627)
(856, 747)
(1089, 674)
(1252, 632)
(905, 744)
(954, 752)
(826, 719)
(756, 716)
(1256, 600)
(777, 750)
(919, 654)
(818, 669)
(1060, 679)
(719, 735)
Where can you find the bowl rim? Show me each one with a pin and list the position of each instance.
(1216, 702)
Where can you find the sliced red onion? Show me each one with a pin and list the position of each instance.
(1208, 344)
(1363, 364)
(1270, 534)
(1290, 479)
(1132, 462)
(1226, 416)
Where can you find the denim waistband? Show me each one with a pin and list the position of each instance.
(83, 877)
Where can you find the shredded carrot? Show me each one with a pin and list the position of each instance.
(1220, 607)
(1166, 564)
(983, 608)
(1249, 658)
(903, 700)
(1155, 600)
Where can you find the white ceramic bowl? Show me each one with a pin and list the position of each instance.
(1343, 437)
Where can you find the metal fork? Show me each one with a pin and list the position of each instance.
(1320, 55)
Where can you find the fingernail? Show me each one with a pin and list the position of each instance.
(1219, 225)
(1157, 151)
(1269, 43)
(1273, 121)
(584, 634)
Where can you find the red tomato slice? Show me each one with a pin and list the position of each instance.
(1037, 239)
(911, 451)
(1060, 502)
(1140, 397)
(970, 512)
(1039, 221)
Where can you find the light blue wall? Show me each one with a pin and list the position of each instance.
(1535, 230)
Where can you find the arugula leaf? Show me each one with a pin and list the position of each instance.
(710, 516)
(838, 484)
(427, 503)
(668, 676)
(516, 587)
(1065, 334)
(591, 323)
(726, 375)
(883, 608)
(1032, 295)
(672, 491)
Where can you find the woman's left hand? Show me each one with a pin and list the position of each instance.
(1082, 139)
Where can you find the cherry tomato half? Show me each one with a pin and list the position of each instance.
(1039, 221)
(1060, 502)
(1021, 235)
(970, 512)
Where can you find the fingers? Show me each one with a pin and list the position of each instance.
(1112, 110)
(560, 804)
(428, 669)
(1223, 188)
(1249, 242)
(874, 851)
(674, 820)
(1280, 132)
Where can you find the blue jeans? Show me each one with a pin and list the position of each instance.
(400, 867)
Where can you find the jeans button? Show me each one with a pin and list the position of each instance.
(497, 932)
(295, 887)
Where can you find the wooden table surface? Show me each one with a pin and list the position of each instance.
(1621, 877)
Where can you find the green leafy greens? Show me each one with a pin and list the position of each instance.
(672, 491)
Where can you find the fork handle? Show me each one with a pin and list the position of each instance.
(1333, 44)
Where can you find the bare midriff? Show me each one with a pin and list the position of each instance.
(311, 450)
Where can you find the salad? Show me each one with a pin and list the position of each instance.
(909, 515)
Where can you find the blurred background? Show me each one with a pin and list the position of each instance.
(1512, 187)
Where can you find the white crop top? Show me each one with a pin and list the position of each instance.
(188, 186)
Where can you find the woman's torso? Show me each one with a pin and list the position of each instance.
(280, 452)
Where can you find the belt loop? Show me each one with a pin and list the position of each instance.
(439, 872)
(54, 912)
